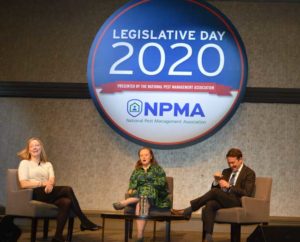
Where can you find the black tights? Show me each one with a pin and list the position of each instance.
(64, 198)
(64, 206)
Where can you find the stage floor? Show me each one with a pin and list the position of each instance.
(181, 231)
(115, 233)
(117, 236)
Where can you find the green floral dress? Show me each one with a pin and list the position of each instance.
(151, 183)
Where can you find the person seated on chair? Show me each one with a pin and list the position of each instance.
(148, 179)
(36, 172)
(227, 189)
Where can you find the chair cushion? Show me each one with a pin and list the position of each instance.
(239, 215)
(231, 215)
(41, 209)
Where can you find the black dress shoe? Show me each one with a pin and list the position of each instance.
(91, 227)
(187, 213)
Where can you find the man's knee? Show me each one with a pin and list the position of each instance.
(216, 193)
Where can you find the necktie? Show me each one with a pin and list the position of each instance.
(232, 178)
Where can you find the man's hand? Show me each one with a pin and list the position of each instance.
(224, 184)
(218, 176)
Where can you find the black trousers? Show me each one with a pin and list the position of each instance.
(214, 200)
(64, 198)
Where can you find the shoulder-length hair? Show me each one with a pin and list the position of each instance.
(25, 155)
(152, 161)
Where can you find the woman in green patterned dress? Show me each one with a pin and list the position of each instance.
(148, 179)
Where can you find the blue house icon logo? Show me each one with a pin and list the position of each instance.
(134, 107)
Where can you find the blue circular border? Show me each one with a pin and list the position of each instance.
(196, 139)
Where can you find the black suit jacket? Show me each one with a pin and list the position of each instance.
(245, 183)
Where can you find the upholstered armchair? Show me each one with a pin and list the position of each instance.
(254, 210)
(20, 205)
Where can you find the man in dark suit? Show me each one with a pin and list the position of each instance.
(227, 189)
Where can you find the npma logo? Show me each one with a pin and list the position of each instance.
(134, 107)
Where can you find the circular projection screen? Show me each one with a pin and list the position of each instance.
(167, 73)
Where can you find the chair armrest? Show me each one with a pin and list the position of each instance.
(257, 207)
(170, 196)
(18, 201)
(24, 195)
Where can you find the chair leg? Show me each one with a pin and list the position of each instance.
(127, 225)
(34, 223)
(45, 228)
(235, 232)
(103, 228)
(130, 228)
(203, 231)
(70, 229)
(154, 230)
(168, 231)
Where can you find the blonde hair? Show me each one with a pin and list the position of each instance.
(25, 155)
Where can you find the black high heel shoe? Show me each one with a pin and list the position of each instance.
(91, 227)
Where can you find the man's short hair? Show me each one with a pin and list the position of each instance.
(234, 152)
